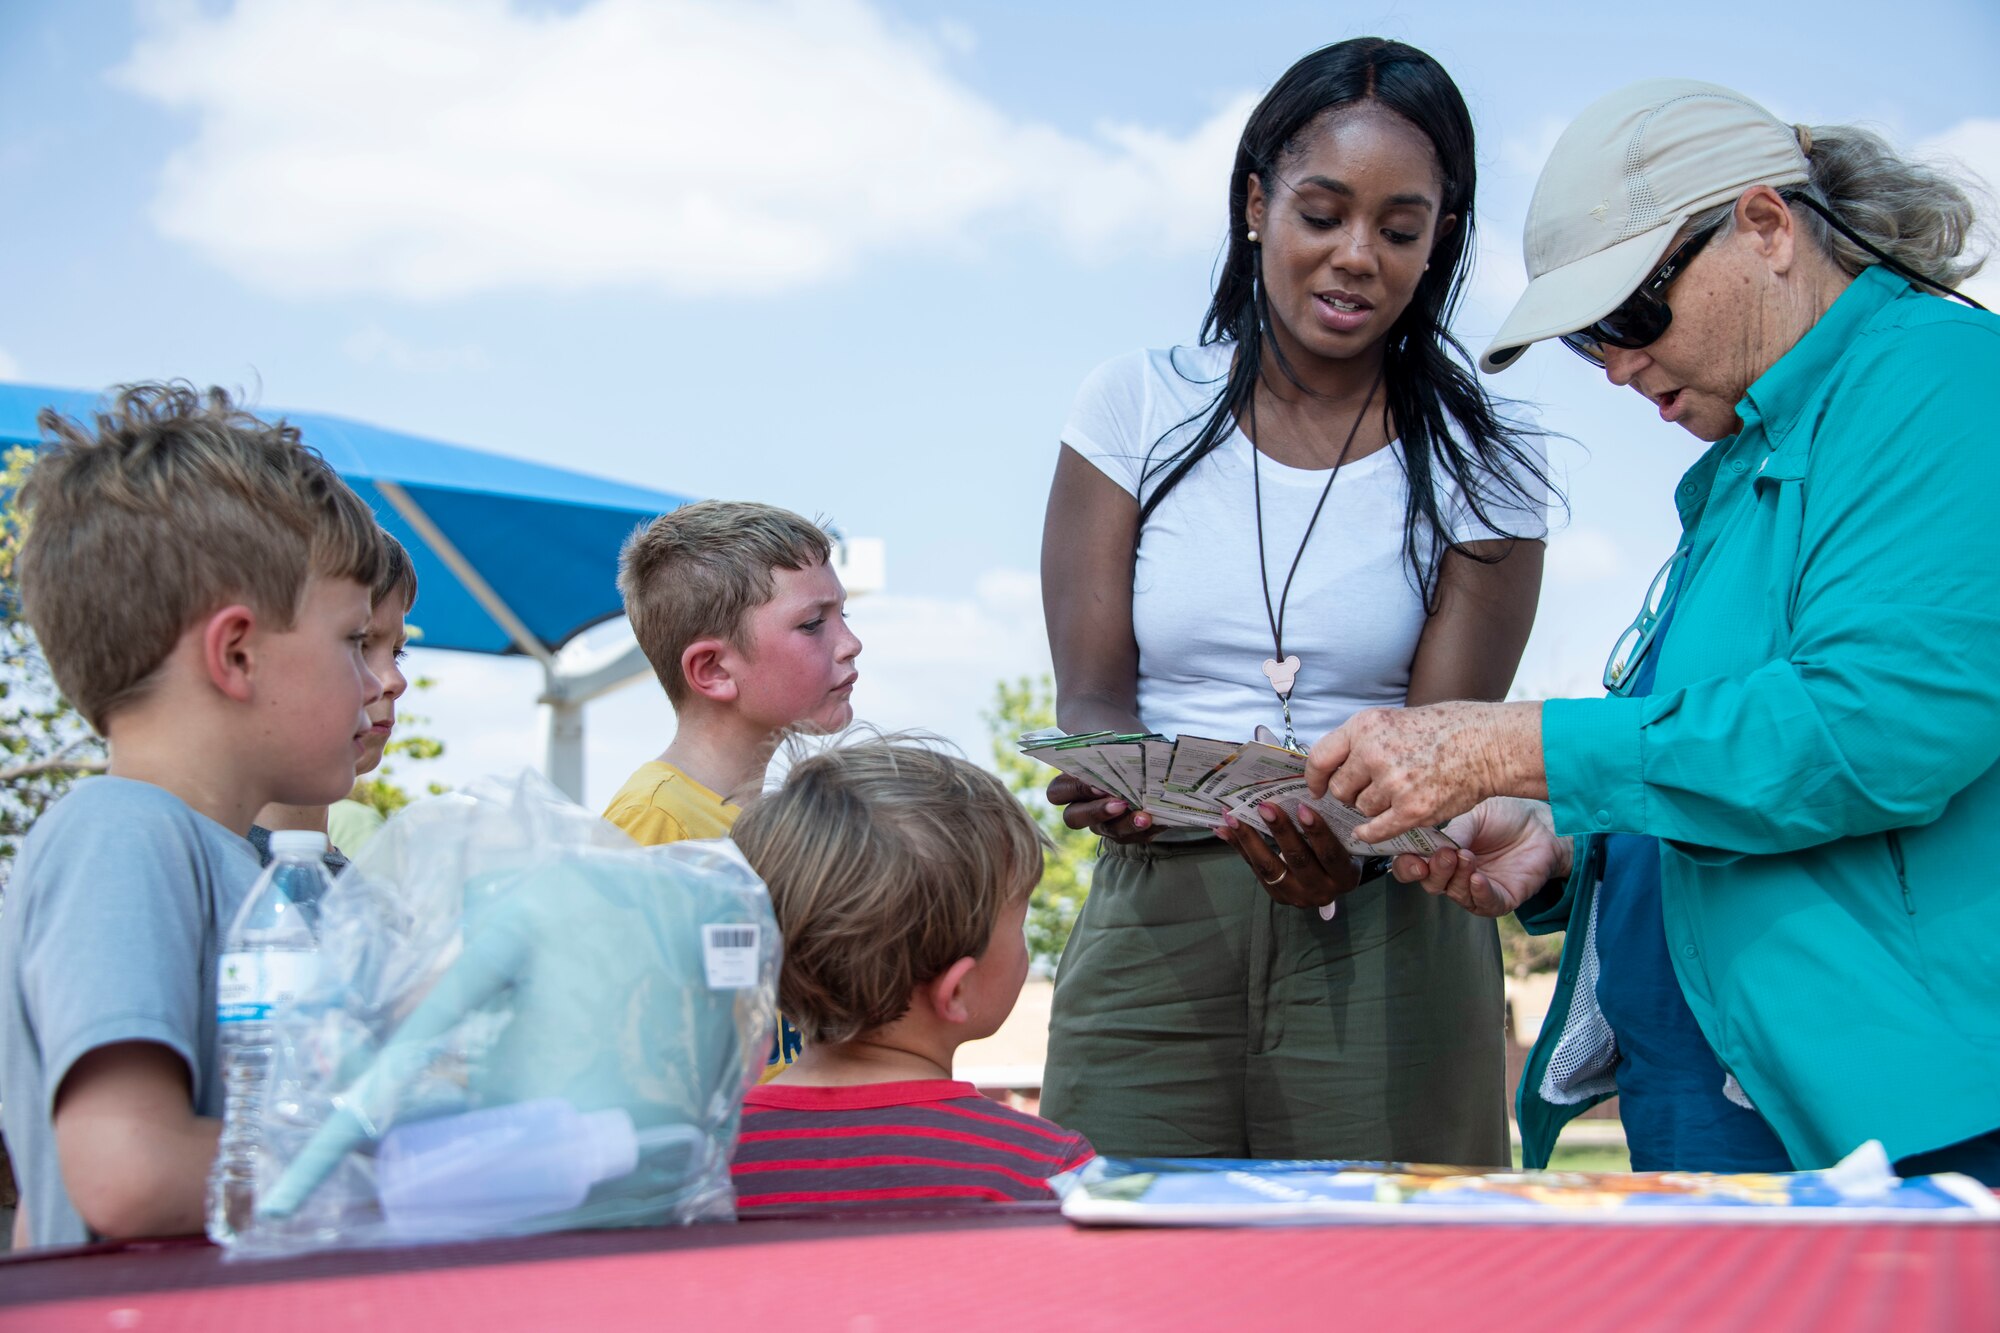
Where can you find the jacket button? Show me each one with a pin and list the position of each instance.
(1687, 490)
(1687, 951)
(1604, 817)
(1739, 467)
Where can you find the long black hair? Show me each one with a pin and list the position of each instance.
(1427, 382)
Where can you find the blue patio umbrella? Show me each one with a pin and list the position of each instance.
(514, 557)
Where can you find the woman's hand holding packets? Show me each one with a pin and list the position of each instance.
(1507, 852)
(1303, 865)
(1104, 814)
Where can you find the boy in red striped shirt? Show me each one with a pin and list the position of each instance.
(901, 879)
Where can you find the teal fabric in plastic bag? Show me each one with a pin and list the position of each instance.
(504, 947)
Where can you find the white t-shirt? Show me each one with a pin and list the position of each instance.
(1355, 612)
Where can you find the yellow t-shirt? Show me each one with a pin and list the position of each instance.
(660, 804)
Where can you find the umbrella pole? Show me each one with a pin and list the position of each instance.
(567, 685)
(564, 761)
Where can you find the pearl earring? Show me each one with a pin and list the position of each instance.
(1250, 236)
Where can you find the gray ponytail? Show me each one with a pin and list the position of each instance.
(1917, 214)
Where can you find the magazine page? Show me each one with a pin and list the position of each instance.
(1210, 1192)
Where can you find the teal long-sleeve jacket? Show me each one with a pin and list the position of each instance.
(1819, 753)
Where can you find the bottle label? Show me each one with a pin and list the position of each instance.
(729, 955)
(249, 984)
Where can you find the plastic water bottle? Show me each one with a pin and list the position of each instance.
(497, 1169)
(267, 955)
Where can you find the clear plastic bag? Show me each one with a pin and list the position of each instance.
(521, 1021)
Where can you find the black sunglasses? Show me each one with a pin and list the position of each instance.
(1644, 315)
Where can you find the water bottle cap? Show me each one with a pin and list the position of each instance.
(298, 842)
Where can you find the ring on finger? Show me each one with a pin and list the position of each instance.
(1272, 883)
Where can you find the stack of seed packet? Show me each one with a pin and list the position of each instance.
(1193, 782)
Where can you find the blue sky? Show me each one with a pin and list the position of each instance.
(848, 257)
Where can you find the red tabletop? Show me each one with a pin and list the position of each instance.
(1024, 1271)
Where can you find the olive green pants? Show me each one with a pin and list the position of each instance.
(1195, 1017)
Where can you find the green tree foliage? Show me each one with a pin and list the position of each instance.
(1524, 954)
(45, 745)
(1026, 704)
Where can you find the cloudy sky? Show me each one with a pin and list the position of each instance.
(848, 257)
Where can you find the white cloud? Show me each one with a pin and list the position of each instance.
(958, 38)
(1974, 146)
(375, 345)
(434, 148)
(1522, 155)
(932, 662)
(1497, 281)
(1507, 178)
(10, 369)
(1584, 555)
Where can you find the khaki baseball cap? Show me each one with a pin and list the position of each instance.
(1622, 179)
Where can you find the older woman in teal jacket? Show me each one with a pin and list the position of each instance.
(1806, 773)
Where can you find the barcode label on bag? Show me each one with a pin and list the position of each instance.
(729, 956)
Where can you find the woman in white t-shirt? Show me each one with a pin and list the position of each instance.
(1379, 543)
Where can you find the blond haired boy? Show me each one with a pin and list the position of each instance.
(738, 609)
(199, 584)
(901, 879)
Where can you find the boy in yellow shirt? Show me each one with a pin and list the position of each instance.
(737, 607)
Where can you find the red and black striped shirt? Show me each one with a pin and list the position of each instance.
(891, 1143)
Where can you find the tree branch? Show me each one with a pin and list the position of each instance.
(59, 762)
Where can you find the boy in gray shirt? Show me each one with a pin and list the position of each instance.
(199, 583)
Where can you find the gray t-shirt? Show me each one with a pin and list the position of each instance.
(110, 933)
